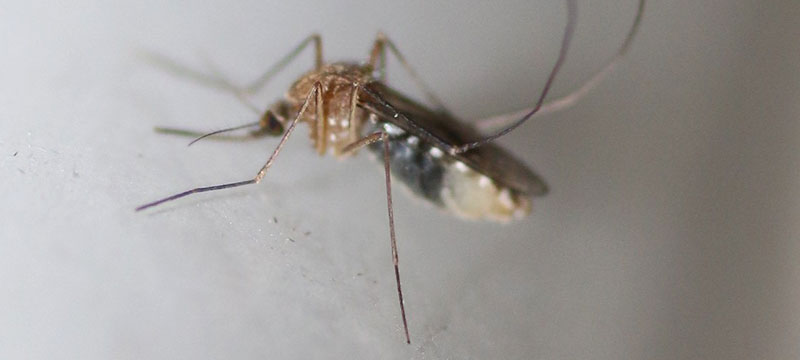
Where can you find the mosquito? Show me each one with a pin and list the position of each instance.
(349, 107)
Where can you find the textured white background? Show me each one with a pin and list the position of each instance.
(671, 231)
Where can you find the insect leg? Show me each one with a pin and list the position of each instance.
(184, 71)
(201, 135)
(572, 15)
(317, 89)
(262, 80)
(216, 80)
(377, 60)
(321, 140)
(566, 101)
(360, 143)
(354, 122)
(370, 139)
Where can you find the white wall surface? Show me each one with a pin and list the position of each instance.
(671, 231)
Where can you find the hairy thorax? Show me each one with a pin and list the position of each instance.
(341, 121)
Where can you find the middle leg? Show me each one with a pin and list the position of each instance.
(371, 139)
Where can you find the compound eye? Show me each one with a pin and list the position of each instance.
(271, 124)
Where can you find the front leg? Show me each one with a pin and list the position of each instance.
(255, 180)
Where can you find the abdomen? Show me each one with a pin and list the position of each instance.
(447, 182)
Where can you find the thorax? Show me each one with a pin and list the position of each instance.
(340, 122)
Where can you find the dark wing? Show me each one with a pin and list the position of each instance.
(443, 131)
